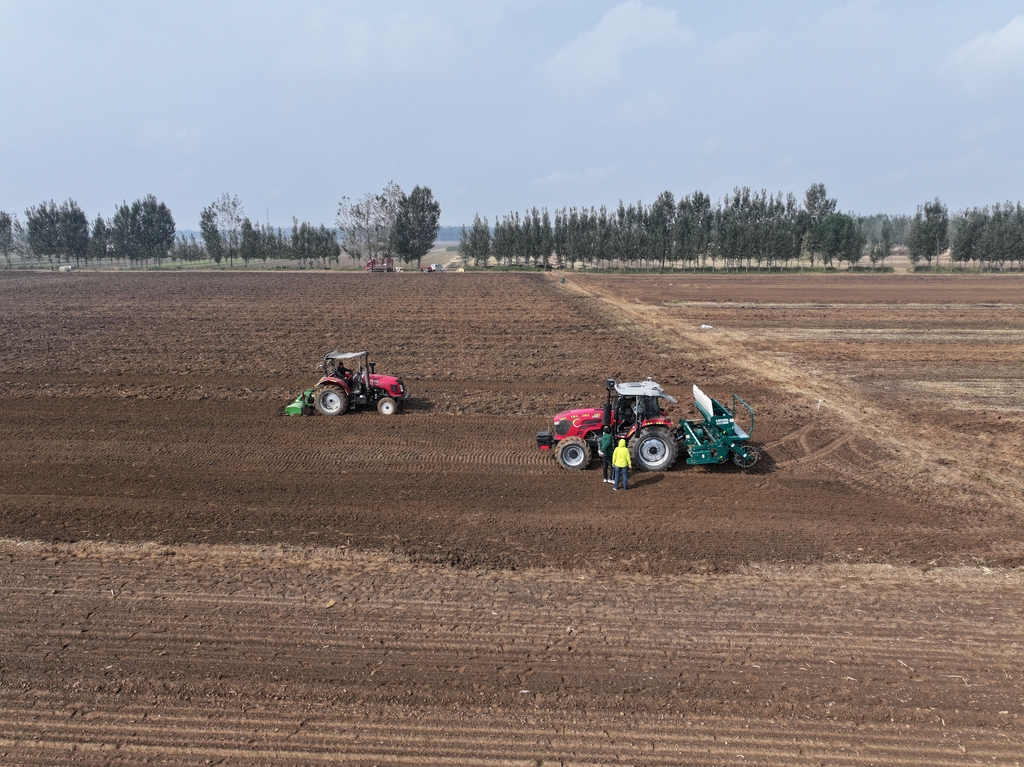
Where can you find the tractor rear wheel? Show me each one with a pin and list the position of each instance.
(573, 453)
(387, 406)
(653, 449)
(331, 400)
(750, 460)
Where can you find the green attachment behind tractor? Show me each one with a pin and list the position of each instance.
(301, 405)
(717, 437)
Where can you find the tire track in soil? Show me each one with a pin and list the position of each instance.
(961, 477)
(343, 452)
(807, 453)
(812, 455)
(363, 658)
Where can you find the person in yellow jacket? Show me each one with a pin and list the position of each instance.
(621, 464)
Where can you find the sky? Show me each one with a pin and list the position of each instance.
(503, 105)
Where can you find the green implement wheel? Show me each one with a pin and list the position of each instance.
(749, 460)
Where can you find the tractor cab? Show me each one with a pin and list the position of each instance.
(334, 365)
(353, 369)
(634, 403)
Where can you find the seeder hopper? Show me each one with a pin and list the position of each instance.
(716, 436)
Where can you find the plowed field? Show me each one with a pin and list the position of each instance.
(191, 577)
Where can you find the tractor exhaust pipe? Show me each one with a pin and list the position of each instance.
(609, 386)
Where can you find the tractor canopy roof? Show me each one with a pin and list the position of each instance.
(344, 356)
(646, 388)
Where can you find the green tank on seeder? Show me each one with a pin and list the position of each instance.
(717, 437)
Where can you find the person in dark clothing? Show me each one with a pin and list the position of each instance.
(604, 449)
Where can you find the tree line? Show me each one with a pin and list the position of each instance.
(53, 234)
(386, 225)
(744, 230)
(991, 236)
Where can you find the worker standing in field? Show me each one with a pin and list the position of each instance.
(621, 464)
(604, 449)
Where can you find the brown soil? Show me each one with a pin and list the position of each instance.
(193, 576)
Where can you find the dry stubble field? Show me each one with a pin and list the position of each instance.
(191, 578)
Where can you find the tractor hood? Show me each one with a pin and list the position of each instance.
(569, 420)
(392, 385)
(384, 381)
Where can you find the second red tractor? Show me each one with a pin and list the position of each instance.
(633, 412)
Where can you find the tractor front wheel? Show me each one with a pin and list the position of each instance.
(331, 400)
(653, 449)
(750, 460)
(387, 406)
(573, 453)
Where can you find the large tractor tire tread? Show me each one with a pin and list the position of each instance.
(331, 400)
(573, 453)
(653, 449)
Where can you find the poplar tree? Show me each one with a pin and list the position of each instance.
(99, 243)
(817, 207)
(475, 244)
(248, 246)
(6, 236)
(966, 243)
(158, 230)
(211, 234)
(929, 232)
(42, 225)
(416, 225)
(840, 239)
(661, 222)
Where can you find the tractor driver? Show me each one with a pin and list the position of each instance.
(340, 371)
(624, 413)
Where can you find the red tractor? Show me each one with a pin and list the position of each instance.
(342, 388)
(632, 412)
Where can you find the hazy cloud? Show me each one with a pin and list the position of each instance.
(349, 47)
(992, 60)
(600, 54)
(565, 178)
(292, 104)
